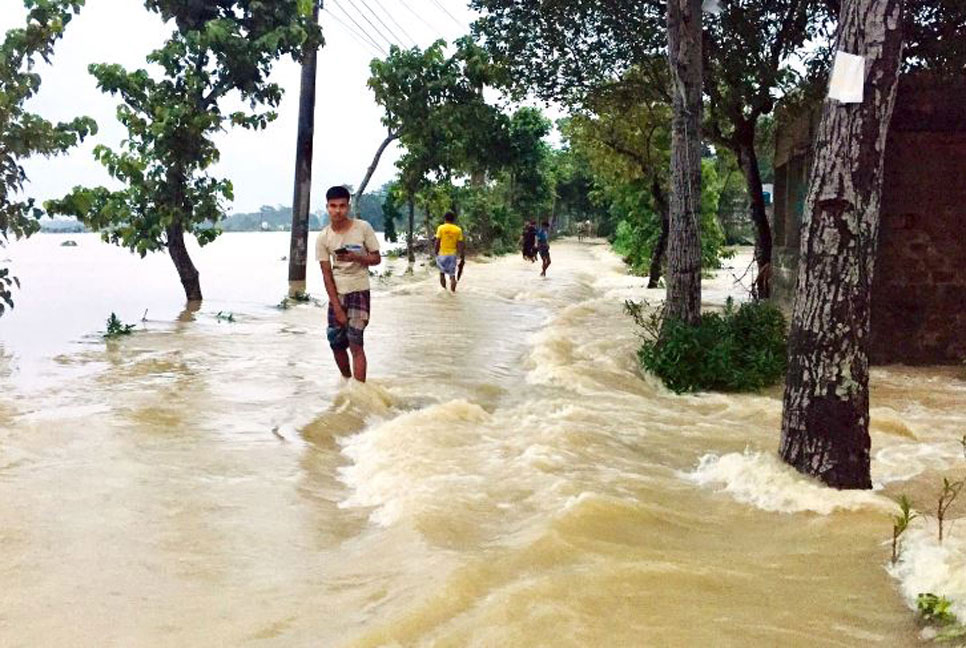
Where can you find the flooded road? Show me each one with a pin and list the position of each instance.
(507, 478)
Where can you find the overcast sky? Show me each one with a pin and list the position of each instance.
(259, 164)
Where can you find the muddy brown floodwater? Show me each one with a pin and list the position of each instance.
(507, 478)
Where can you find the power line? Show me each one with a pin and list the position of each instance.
(362, 40)
(396, 23)
(371, 24)
(381, 21)
(360, 28)
(419, 16)
(446, 11)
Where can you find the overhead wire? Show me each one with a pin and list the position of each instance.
(360, 27)
(446, 11)
(395, 22)
(382, 22)
(359, 38)
(419, 16)
(372, 24)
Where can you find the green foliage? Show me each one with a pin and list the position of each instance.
(225, 316)
(172, 115)
(950, 491)
(935, 609)
(391, 213)
(739, 349)
(23, 133)
(295, 299)
(435, 104)
(6, 295)
(900, 523)
(116, 328)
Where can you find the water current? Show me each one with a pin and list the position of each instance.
(508, 477)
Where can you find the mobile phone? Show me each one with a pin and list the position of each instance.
(341, 250)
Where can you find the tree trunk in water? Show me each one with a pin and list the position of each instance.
(748, 159)
(411, 254)
(298, 247)
(825, 417)
(657, 259)
(182, 262)
(372, 169)
(684, 239)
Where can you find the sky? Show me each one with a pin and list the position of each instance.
(260, 164)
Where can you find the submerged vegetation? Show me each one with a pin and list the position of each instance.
(739, 349)
(117, 328)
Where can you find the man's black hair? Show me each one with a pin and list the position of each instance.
(337, 193)
(449, 217)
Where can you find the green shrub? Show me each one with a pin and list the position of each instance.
(935, 609)
(739, 349)
(117, 328)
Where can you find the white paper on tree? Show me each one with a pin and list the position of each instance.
(848, 78)
(712, 7)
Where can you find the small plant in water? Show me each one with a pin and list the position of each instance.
(116, 327)
(900, 523)
(935, 609)
(947, 496)
(299, 297)
(223, 316)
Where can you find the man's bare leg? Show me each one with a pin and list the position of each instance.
(442, 280)
(452, 283)
(359, 364)
(342, 361)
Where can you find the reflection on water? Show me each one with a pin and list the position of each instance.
(507, 477)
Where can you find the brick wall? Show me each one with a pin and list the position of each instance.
(919, 288)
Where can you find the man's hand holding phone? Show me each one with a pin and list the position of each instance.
(350, 255)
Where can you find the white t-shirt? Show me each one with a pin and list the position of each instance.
(359, 237)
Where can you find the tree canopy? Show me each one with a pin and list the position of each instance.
(24, 133)
(171, 118)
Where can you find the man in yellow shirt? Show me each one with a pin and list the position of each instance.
(449, 242)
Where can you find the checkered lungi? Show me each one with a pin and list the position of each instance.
(356, 306)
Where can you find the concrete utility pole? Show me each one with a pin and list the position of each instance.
(298, 251)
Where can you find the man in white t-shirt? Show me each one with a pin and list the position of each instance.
(345, 249)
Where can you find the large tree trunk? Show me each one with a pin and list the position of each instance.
(410, 253)
(684, 238)
(371, 170)
(298, 248)
(182, 262)
(657, 258)
(748, 160)
(825, 419)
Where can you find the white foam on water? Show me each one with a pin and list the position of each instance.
(400, 466)
(904, 461)
(62, 413)
(762, 480)
(925, 566)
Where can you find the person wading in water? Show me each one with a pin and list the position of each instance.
(449, 241)
(543, 246)
(345, 249)
(529, 242)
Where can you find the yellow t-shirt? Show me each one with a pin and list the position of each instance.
(449, 235)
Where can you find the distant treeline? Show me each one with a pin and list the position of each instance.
(279, 218)
(267, 219)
